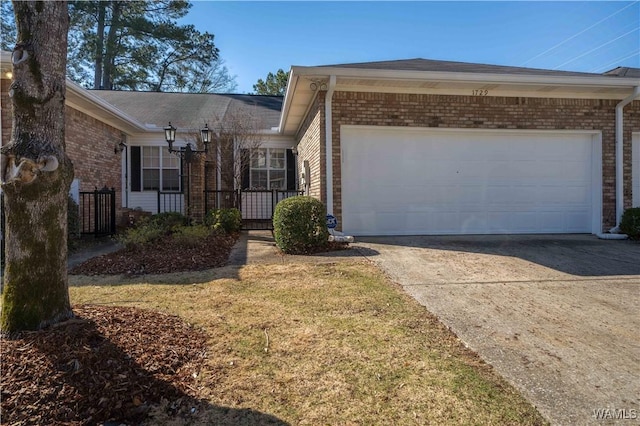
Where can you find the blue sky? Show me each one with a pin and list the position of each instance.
(256, 38)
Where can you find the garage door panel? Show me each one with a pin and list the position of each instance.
(576, 221)
(403, 181)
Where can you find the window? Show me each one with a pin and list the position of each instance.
(160, 170)
(268, 168)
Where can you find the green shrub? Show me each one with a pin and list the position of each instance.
(191, 235)
(224, 220)
(300, 225)
(150, 229)
(168, 221)
(630, 223)
(140, 235)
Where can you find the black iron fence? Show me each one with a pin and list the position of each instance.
(170, 202)
(98, 212)
(256, 206)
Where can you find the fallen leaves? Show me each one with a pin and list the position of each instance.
(107, 364)
(165, 255)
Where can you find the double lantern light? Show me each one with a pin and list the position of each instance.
(187, 151)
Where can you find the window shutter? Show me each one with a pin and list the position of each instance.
(136, 168)
(245, 159)
(291, 171)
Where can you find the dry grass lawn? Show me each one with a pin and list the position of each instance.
(321, 344)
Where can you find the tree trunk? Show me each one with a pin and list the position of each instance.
(36, 172)
(111, 46)
(97, 82)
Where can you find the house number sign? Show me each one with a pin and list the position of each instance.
(480, 92)
(332, 222)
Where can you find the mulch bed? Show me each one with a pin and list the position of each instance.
(162, 256)
(109, 364)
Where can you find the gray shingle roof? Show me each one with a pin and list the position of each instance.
(420, 64)
(192, 110)
(624, 72)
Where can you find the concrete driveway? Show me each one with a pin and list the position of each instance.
(557, 316)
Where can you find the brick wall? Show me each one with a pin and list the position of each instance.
(311, 148)
(413, 110)
(195, 186)
(90, 145)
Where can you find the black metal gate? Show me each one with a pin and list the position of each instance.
(256, 206)
(171, 201)
(98, 212)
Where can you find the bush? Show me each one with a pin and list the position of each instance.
(143, 234)
(168, 221)
(224, 220)
(152, 228)
(300, 225)
(630, 223)
(191, 235)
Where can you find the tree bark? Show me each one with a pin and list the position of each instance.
(97, 83)
(111, 46)
(36, 172)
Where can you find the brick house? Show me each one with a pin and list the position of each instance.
(398, 147)
(246, 151)
(435, 147)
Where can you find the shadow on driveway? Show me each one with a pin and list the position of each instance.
(579, 254)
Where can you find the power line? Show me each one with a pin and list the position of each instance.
(581, 32)
(596, 48)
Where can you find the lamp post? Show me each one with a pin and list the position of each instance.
(186, 153)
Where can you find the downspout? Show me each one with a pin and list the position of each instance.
(619, 156)
(328, 122)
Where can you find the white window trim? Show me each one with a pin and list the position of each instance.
(268, 167)
(161, 158)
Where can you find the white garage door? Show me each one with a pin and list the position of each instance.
(400, 181)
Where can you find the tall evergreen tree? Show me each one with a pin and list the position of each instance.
(274, 84)
(138, 45)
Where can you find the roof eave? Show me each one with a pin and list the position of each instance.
(595, 80)
(128, 122)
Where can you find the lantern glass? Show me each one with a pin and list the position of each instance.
(206, 134)
(170, 133)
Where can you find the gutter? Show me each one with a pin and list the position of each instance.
(328, 122)
(620, 156)
(594, 80)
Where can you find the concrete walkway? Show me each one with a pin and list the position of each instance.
(259, 247)
(101, 247)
